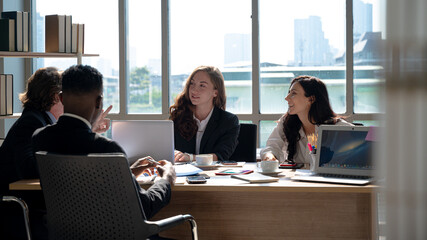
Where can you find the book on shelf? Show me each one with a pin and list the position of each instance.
(81, 38)
(17, 16)
(74, 28)
(9, 94)
(26, 30)
(7, 34)
(68, 33)
(55, 33)
(6, 94)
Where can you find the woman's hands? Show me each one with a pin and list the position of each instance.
(269, 157)
(181, 157)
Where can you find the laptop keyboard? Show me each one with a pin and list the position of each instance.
(329, 175)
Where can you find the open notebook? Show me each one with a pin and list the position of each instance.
(344, 155)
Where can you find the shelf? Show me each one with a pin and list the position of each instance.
(15, 115)
(44, 55)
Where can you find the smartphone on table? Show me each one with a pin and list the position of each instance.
(229, 162)
(196, 179)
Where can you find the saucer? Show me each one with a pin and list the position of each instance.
(211, 166)
(270, 173)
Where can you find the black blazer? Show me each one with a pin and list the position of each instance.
(17, 160)
(72, 136)
(220, 136)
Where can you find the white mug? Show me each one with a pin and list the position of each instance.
(269, 166)
(204, 159)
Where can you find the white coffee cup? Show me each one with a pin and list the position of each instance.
(269, 166)
(204, 159)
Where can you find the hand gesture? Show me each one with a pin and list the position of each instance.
(102, 124)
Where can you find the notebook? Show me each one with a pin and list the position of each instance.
(344, 155)
(140, 138)
(256, 178)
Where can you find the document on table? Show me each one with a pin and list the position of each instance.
(186, 170)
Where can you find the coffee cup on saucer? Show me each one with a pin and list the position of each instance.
(269, 166)
(204, 159)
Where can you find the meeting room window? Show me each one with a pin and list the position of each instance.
(101, 30)
(300, 38)
(144, 83)
(368, 55)
(216, 33)
(259, 45)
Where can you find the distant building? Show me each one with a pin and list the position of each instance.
(362, 15)
(237, 48)
(367, 50)
(310, 46)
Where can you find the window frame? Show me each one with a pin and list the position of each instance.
(255, 116)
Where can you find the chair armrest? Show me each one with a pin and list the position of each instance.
(167, 223)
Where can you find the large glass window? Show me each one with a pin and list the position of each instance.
(301, 38)
(145, 78)
(214, 33)
(101, 37)
(368, 54)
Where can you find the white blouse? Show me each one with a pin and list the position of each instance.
(278, 145)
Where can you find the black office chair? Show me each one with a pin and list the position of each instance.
(25, 210)
(246, 147)
(94, 197)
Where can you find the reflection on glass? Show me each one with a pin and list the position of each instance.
(368, 54)
(101, 37)
(145, 78)
(294, 43)
(217, 33)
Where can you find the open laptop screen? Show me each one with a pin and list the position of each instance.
(344, 150)
(141, 138)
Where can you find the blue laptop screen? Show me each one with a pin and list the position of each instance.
(345, 150)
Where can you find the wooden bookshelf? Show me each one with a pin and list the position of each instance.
(79, 56)
(15, 115)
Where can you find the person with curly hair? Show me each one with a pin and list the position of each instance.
(202, 126)
(308, 107)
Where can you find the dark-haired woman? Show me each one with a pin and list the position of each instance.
(308, 107)
(202, 126)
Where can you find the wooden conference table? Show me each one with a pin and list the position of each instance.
(227, 208)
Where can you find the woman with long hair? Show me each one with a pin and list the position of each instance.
(308, 107)
(202, 126)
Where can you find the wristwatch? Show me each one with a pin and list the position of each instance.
(191, 156)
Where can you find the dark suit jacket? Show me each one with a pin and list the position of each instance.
(220, 136)
(72, 136)
(17, 160)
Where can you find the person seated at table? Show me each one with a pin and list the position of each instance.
(41, 106)
(308, 107)
(202, 126)
(82, 96)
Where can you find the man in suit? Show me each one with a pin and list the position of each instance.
(82, 95)
(41, 107)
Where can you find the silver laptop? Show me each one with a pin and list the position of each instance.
(140, 138)
(344, 155)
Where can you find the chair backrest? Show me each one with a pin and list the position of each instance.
(90, 197)
(246, 147)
